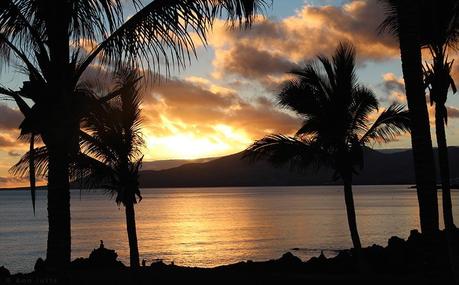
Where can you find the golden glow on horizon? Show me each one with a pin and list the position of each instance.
(222, 140)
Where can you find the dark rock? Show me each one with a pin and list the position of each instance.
(99, 258)
(103, 257)
(40, 265)
(415, 236)
(289, 258)
(396, 242)
(158, 265)
(401, 262)
(4, 273)
(322, 257)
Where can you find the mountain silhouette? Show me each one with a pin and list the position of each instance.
(381, 168)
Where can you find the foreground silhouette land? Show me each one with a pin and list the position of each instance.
(411, 261)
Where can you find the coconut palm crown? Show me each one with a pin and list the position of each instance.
(110, 142)
(337, 117)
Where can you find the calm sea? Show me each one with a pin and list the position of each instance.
(212, 226)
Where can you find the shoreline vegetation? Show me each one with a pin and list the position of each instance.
(416, 260)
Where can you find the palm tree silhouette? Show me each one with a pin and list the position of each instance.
(404, 21)
(49, 38)
(112, 143)
(336, 113)
(441, 32)
(110, 157)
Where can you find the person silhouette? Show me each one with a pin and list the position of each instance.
(101, 244)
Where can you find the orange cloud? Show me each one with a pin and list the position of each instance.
(273, 47)
(394, 87)
(201, 115)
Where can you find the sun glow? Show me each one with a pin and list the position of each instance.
(221, 140)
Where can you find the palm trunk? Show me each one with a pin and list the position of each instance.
(350, 209)
(132, 235)
(59, 247)
(59, 132)
(450, 228)
(444, 166)
(409, 25)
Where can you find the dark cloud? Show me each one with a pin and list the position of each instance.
(253, 63)
(453, 112)
(9, 118)
(14, 153)
(393, 84)
(393, 88)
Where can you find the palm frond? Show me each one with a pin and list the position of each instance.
(438, 79)
(161, 32)
(280, 150)
(18, 28)
(90, 17)
(390, 124)
(32, 170)
(390, 24)
(95, 146)
(16, 96)
(306, 94)
(439, 20)
(114, 127)
(7, 48)
(364, 103)
(329, 69)
(440, 23)
(344, 70)
(92, 173)
(40, 158)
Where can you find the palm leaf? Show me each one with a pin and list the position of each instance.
(280, 150)
(40, 158)
(161, 31)
(390, 24)
(390, 124)
(306, 94)
(32, 170)
(364, 103)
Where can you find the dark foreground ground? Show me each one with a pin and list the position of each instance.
(414, 261)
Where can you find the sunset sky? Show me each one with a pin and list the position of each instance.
(224, 100)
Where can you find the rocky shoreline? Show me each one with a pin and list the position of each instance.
(417, 260)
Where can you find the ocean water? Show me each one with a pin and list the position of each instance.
(212, 226)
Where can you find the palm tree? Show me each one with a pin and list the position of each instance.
(48, 40)
(404, 21)
(440, 32)
(112, 146)
(336, 113)
(110, 156)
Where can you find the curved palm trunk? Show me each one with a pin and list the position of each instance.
(350, 210)
(59, 247)
(132, 235)
(420, 130)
